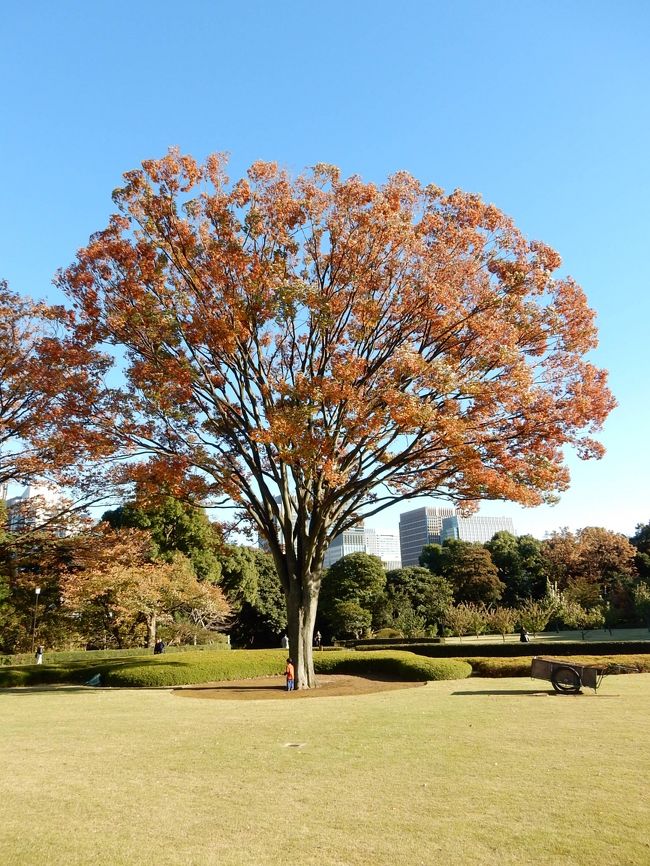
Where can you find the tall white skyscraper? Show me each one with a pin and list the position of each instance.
(385, 545)
(360, 539)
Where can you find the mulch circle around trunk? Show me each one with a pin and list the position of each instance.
(273, 688)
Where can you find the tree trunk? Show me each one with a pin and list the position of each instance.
(302, 602)
(151, 630)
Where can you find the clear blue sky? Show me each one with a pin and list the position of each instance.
(543, 108)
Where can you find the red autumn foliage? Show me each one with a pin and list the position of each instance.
(45, 379)
(317, 348)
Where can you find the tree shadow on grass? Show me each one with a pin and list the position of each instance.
(508, 692)
(79, 673)
(66, 688)
(229, 686)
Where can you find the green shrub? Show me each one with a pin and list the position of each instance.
(520, 667)
(496, 667)
(14, 677)
(174, 669)
(388, 633)
(245, 664)
(435, 649)
(408, 644)
(56, 657)
(395, 665)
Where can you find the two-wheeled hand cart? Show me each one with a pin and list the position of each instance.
(568, 678)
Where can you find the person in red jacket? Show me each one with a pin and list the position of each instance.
(290, 675)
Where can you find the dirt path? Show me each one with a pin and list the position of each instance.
(272, 688)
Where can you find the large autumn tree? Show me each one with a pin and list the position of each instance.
(316, 349)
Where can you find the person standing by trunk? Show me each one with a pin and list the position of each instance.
(290, 675)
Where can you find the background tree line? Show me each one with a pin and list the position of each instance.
(142, 573)
(583, 580)
(164, 570)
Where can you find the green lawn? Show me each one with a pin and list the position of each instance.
(467, 772)
(601, 634)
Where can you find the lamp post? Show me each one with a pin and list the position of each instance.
(38, 592)
(107, 626)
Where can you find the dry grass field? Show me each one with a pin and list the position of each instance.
(481, 772)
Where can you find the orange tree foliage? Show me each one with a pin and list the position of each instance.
(96, 583)
(23, 398)
(317, 348)
(592, 556)
(113, 576)
(42, 378)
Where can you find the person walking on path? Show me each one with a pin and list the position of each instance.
(39, 655)
(290, 675)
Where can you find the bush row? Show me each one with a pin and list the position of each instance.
(520, 667)
(88, 655)
(172, 669)
(175, 669)
(510, 650)
(391, 665)
(396, 640)
(168, 669)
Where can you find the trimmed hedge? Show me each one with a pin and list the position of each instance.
(391, 664)
(385, 641)
(512, 650)
(80, 655)
(11, 677)
(520, 667)
(144, 671)
(175, 669)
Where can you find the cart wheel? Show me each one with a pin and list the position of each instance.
(566, 680)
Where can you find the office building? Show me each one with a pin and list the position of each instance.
(385, 545)
(353, 540)
(477, 529)
(37, 506)
(418, 528)
(361, 539)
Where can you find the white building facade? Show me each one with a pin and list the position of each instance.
(476, 529)
(359, 539)
(385, 545)
(363, 539)
(35, 506)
